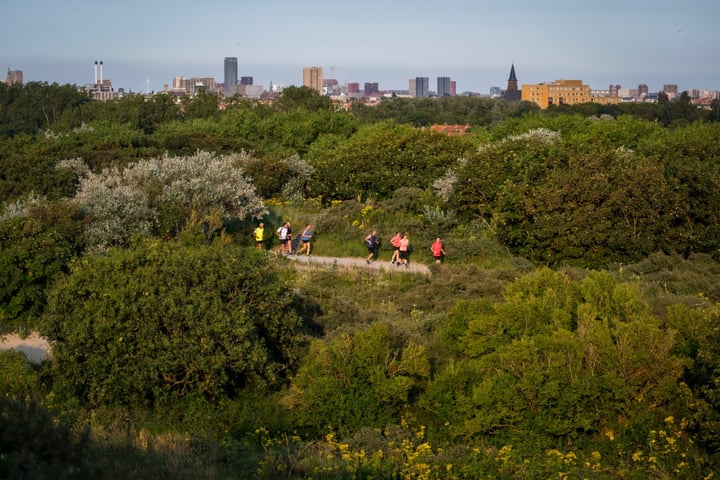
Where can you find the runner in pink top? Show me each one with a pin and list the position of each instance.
(437, 250)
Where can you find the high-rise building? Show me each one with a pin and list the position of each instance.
(14, 76)
(313, 78)
(353, 87)
(614, 90)
(371, 88)
(643, 90)
(671, 90)
(443, 86)
(246, 80)
(419, 87)
(231, 75)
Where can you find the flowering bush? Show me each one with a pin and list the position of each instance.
(146, 195)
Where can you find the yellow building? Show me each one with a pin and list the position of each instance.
(560, 92)
(313, 78)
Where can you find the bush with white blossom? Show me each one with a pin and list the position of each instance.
(122, 202)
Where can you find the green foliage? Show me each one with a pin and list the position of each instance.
(357, 380)
(305, 98)
(381, 158)
(597, 193)
(19, 377)
(422, 112)
(34, 106)
(34, 250)
(34, 445)
(559, 359)
(161, 320)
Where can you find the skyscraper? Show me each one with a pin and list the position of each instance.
(231, 75)
(313, 78)
(419, 87)
(443, 86)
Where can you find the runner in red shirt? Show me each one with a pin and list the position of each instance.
(437, 250)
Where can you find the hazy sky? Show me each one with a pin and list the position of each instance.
(474, 42)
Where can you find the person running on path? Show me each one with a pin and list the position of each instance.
(288, 239)
(305, 237)
(437, 250)
(372, 244)
(259, 234)
(395, 241)
(403, 250)
(282, 234)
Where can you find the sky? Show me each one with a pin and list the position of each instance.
(145, 44)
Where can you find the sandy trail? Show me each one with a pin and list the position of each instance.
(35, 347)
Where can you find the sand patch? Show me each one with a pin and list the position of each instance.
(33, 346)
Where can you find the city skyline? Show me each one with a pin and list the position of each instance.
(145, 45)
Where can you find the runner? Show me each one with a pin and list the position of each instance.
(371, 243)
(305, 237)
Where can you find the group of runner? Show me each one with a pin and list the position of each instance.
(400, 243)
(284, 235)
(401, 249)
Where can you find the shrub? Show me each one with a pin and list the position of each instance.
(159, 195)
(161, 320)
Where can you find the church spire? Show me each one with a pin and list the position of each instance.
(512, 94)
(512, 78)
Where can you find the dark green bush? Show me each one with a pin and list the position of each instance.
(160, 320)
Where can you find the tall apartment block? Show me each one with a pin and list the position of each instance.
(313, 78)
(419, 87)
(231, 75)
(14, 76)
(371, 88)
(443, 86)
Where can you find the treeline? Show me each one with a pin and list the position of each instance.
(557, 188)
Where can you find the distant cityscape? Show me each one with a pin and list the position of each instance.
(546, 94)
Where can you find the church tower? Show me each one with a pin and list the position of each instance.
(512, 94)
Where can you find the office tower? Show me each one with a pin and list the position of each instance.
(231, 75)
(353, 87)
(246, 80)
(443, 86)
(313, 78)
(14, 76)
(671, 90)
(419, 87)
(370, 88)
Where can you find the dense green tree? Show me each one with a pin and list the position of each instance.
(559, 360)
(357, 380)
(381, 158)
(304, 98)
(163, 320)
(202, 105)
(34, 250)
(35, 106)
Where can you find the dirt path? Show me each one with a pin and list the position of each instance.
(35, 347)
(357, 262)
